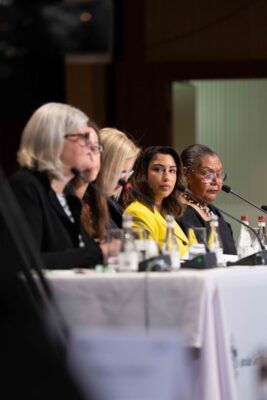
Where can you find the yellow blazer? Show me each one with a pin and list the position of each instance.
(155, 224)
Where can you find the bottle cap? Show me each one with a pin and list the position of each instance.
(244, 217)
(261, 218)
(214, 220)
(127, 221)
(170, 220)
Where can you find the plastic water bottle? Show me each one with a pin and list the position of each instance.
(128, 256)
(262, 230)
(215, 241)
(244, 243)
(169, 245)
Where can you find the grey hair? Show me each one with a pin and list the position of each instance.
(44, 134)
(192, 155)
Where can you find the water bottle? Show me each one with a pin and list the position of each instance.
(262, 230)
(128, 256)
(169, 245)
(215, 241)
(244, 243)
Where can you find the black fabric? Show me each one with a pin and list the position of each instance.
(35, 366)
(56, 236)
(115, 213)
(33, 335)
(191, 218)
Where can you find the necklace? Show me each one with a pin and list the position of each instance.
(198, 204)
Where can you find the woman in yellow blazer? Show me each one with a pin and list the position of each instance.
(154, 193)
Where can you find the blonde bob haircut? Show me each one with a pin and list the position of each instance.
(44, 135)
(118, 148)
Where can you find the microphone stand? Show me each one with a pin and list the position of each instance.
(242, 223)
(258, 258)
(227, 189)
(202, 261)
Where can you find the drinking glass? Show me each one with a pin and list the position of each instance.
(140, 235)
(197, 241)
(114, 239)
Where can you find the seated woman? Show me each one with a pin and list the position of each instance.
(156, 172)
(118, 158)
(204, 174)
(56, 138)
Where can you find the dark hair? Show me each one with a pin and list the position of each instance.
(94, 214)
(141, 190)
(191, 156)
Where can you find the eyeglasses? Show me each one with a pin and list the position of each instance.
(84, 140)
(208, 176)
(127, 174)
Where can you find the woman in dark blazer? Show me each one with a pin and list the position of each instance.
(204, 174)
(56, 138)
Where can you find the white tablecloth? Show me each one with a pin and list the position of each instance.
(206, 306)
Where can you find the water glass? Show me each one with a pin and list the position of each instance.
(114, 239)
(140, 235)
(197, 241)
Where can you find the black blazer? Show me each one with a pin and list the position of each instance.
(56, 236)
(192, 218)
(115, 213)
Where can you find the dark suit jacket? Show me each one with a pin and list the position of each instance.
(56, 236)
(192, 218)
(115, 213)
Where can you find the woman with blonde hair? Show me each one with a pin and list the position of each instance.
(117, 160)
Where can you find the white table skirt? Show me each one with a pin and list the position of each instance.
(203, 305)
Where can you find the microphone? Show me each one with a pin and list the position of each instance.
(202, 261)
(228, 189)
(258, 258)
(79, 174)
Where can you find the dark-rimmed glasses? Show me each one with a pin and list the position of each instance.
(84, 140)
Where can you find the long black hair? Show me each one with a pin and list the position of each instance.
(141, 189)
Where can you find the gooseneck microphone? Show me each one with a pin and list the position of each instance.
(128, 186)
(259, 258)
(202, 261)
(183, 189)
(79, 174)
(228, 189)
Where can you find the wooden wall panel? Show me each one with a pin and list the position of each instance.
(206, 30)
(86, 88)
